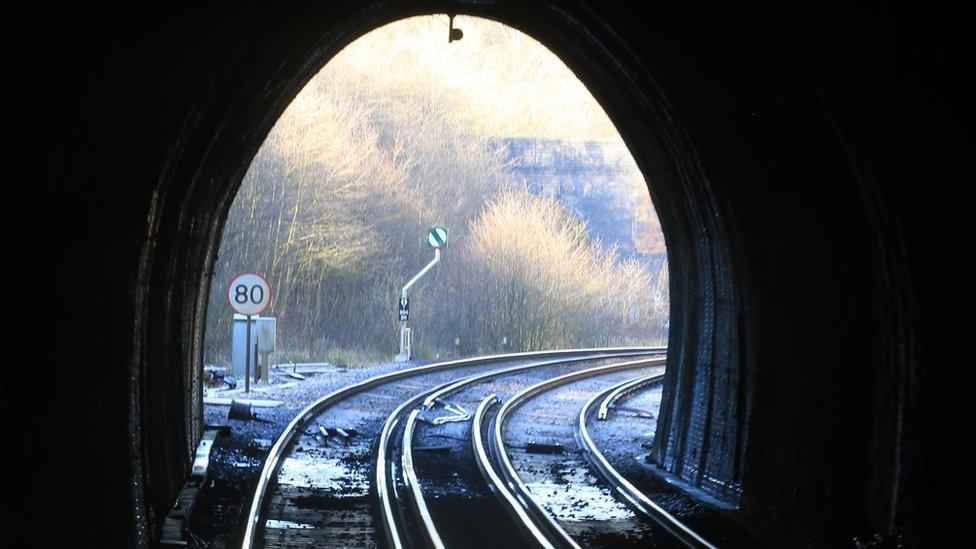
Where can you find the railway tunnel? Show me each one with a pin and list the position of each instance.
(805, 377)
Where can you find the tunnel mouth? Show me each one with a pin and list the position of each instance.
(475, 184)
(540, 235)
(699, 267)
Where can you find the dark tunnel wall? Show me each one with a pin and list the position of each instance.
(793, 157)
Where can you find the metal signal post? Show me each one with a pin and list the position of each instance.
(436, 239)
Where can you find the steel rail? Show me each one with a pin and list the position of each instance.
(384, 481)
(412, 484)
(512, 491)
(495, 481)
(637, 499)
(625, 389)
(272, 462)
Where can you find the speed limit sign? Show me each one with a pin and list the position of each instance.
(249, 293)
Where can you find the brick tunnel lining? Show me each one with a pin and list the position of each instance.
(750, 256)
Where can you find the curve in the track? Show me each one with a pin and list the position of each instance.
(637, 499)
(289, 435)
(546, 531)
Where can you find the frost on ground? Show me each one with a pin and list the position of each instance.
(239, 453)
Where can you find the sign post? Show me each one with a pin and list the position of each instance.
(436, 239)
(249, 294)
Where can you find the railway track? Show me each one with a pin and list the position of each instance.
(558, 494)
(630, 493)
(300, 478)
(385, 476)
(605, 428)
(420, 458)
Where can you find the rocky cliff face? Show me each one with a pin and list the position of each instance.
(599, 182)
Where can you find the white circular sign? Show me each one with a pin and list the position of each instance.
(437, 237)
(249, 293)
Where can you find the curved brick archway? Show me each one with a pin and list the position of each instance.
(792, 224)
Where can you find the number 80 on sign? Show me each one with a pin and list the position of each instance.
(249, 293)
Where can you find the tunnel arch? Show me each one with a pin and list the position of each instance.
(707, 433)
